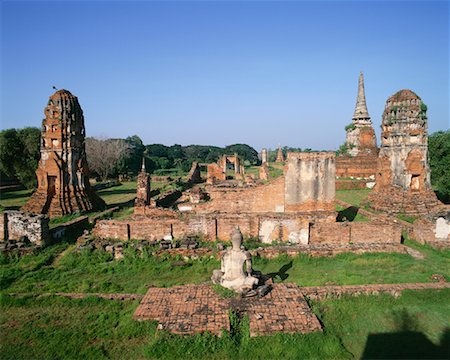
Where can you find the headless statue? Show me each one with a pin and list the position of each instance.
(231, 274)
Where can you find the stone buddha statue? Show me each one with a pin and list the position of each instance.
(231, 274)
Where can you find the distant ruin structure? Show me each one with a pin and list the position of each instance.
(280, 157)
(403, 173)
(264, 156)
(62, 173)
(360, 161)
(143, 187)
(226, 163)
(194, 175)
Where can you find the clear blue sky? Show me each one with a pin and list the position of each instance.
(262, 73)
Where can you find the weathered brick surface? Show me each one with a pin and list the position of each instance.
(355, 232)
(62, 173)
(32, 226)
(196, 308)
(285, 226)
(284, 309)
(360, 166)
(261, 198)
(403, 174)
(185, 309)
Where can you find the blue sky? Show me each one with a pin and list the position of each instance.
(218, 73)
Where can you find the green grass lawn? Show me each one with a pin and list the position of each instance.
(14, 199)
(354, 197)
(415, 324)
(96, 271)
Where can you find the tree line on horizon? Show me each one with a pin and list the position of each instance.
(109, 158)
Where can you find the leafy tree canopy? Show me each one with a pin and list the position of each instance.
(439, 151)
(19, 154)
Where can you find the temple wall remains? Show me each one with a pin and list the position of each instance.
(266, 227)
(16, 224)
(310, 181)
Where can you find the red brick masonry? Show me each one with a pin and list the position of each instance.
(195, 308)
(185, 309)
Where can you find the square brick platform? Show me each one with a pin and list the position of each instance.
(185, 309)
(196, 308)
(284, 309)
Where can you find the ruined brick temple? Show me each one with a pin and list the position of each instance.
(62, 173)
(361, 159)
(403, 174)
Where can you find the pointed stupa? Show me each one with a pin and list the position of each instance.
(280, 157)
(143, 165)
(361, 113)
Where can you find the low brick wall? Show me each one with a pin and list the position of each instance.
(354, 233)
(77, 225)
(267, 227)
(326, 292)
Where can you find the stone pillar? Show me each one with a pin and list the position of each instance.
(264, 156)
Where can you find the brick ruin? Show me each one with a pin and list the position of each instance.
(19, 226)
(281, 210)
(143, 188)
(361, 159)
(62, 173)
(403, 173)
(280, 157)
(228, 166)
(264, 156)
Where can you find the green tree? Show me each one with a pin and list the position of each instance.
(245, 151)
(439, 151)
(19, 154)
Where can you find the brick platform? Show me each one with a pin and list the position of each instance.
(284, 309)
(185, 309)
(196, 308)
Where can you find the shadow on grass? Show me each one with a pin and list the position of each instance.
(111, 192)
(14, 195)
(348, 214)
(408, 343)
(282, 273)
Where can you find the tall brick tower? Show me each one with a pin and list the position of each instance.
(403, 174)
(62, 173)
(360, 136)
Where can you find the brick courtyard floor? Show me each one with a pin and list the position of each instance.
(195, 308)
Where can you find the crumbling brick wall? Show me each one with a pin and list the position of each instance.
(403, 174)
(360, 166)
(18, 224)
(310, 181)
(355, 233)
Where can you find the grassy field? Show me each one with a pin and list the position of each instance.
(414, 325)
(36, 327)
(354, 197)
(96, 271)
